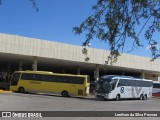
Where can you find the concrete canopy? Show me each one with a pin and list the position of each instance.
(52, 55)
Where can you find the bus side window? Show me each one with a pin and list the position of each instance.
(114, 82)
(119, 84)
(113, 86)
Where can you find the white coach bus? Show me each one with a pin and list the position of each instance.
(123, 87)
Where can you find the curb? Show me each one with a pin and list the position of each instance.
(5, 91)
(156, 97)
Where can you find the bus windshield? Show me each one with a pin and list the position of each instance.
(105, 85)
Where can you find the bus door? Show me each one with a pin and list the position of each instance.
(121, 88)
(15, 79)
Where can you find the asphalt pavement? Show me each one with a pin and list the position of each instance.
(44, 102)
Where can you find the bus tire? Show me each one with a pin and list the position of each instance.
(117, 97)
(141, 97)
(21, 90)
(64, 94)
(145, 97)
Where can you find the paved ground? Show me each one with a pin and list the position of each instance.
(34, 102)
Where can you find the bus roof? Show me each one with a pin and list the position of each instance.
(121, 76)
(48, 73)
(117, 76)
(156, 82)
(31, 71)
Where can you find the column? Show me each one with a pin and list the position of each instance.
(35, 63)
(159, 78)
(96, 72)
(143, 74)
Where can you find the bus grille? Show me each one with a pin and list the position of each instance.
(80, 92)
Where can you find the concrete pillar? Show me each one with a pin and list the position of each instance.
(35, 63)
(96, 72)
(20, 65)
(143, 74)
(78, 70)
(159, 78)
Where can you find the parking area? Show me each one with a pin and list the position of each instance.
(40, 102)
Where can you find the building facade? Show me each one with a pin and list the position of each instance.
(22, 53)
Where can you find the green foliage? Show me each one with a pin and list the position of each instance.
(114, 21)
(34, 5)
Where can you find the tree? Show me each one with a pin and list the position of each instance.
(34, 4)
(114, 21)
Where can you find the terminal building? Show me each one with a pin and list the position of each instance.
(23, 53)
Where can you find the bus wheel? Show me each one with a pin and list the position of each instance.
(64, 93)
(145, 97)
(141, 97)
(117, 97)
(21, 90)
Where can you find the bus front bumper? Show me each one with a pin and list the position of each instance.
(102, 95)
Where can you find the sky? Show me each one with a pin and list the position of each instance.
(54, 21)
